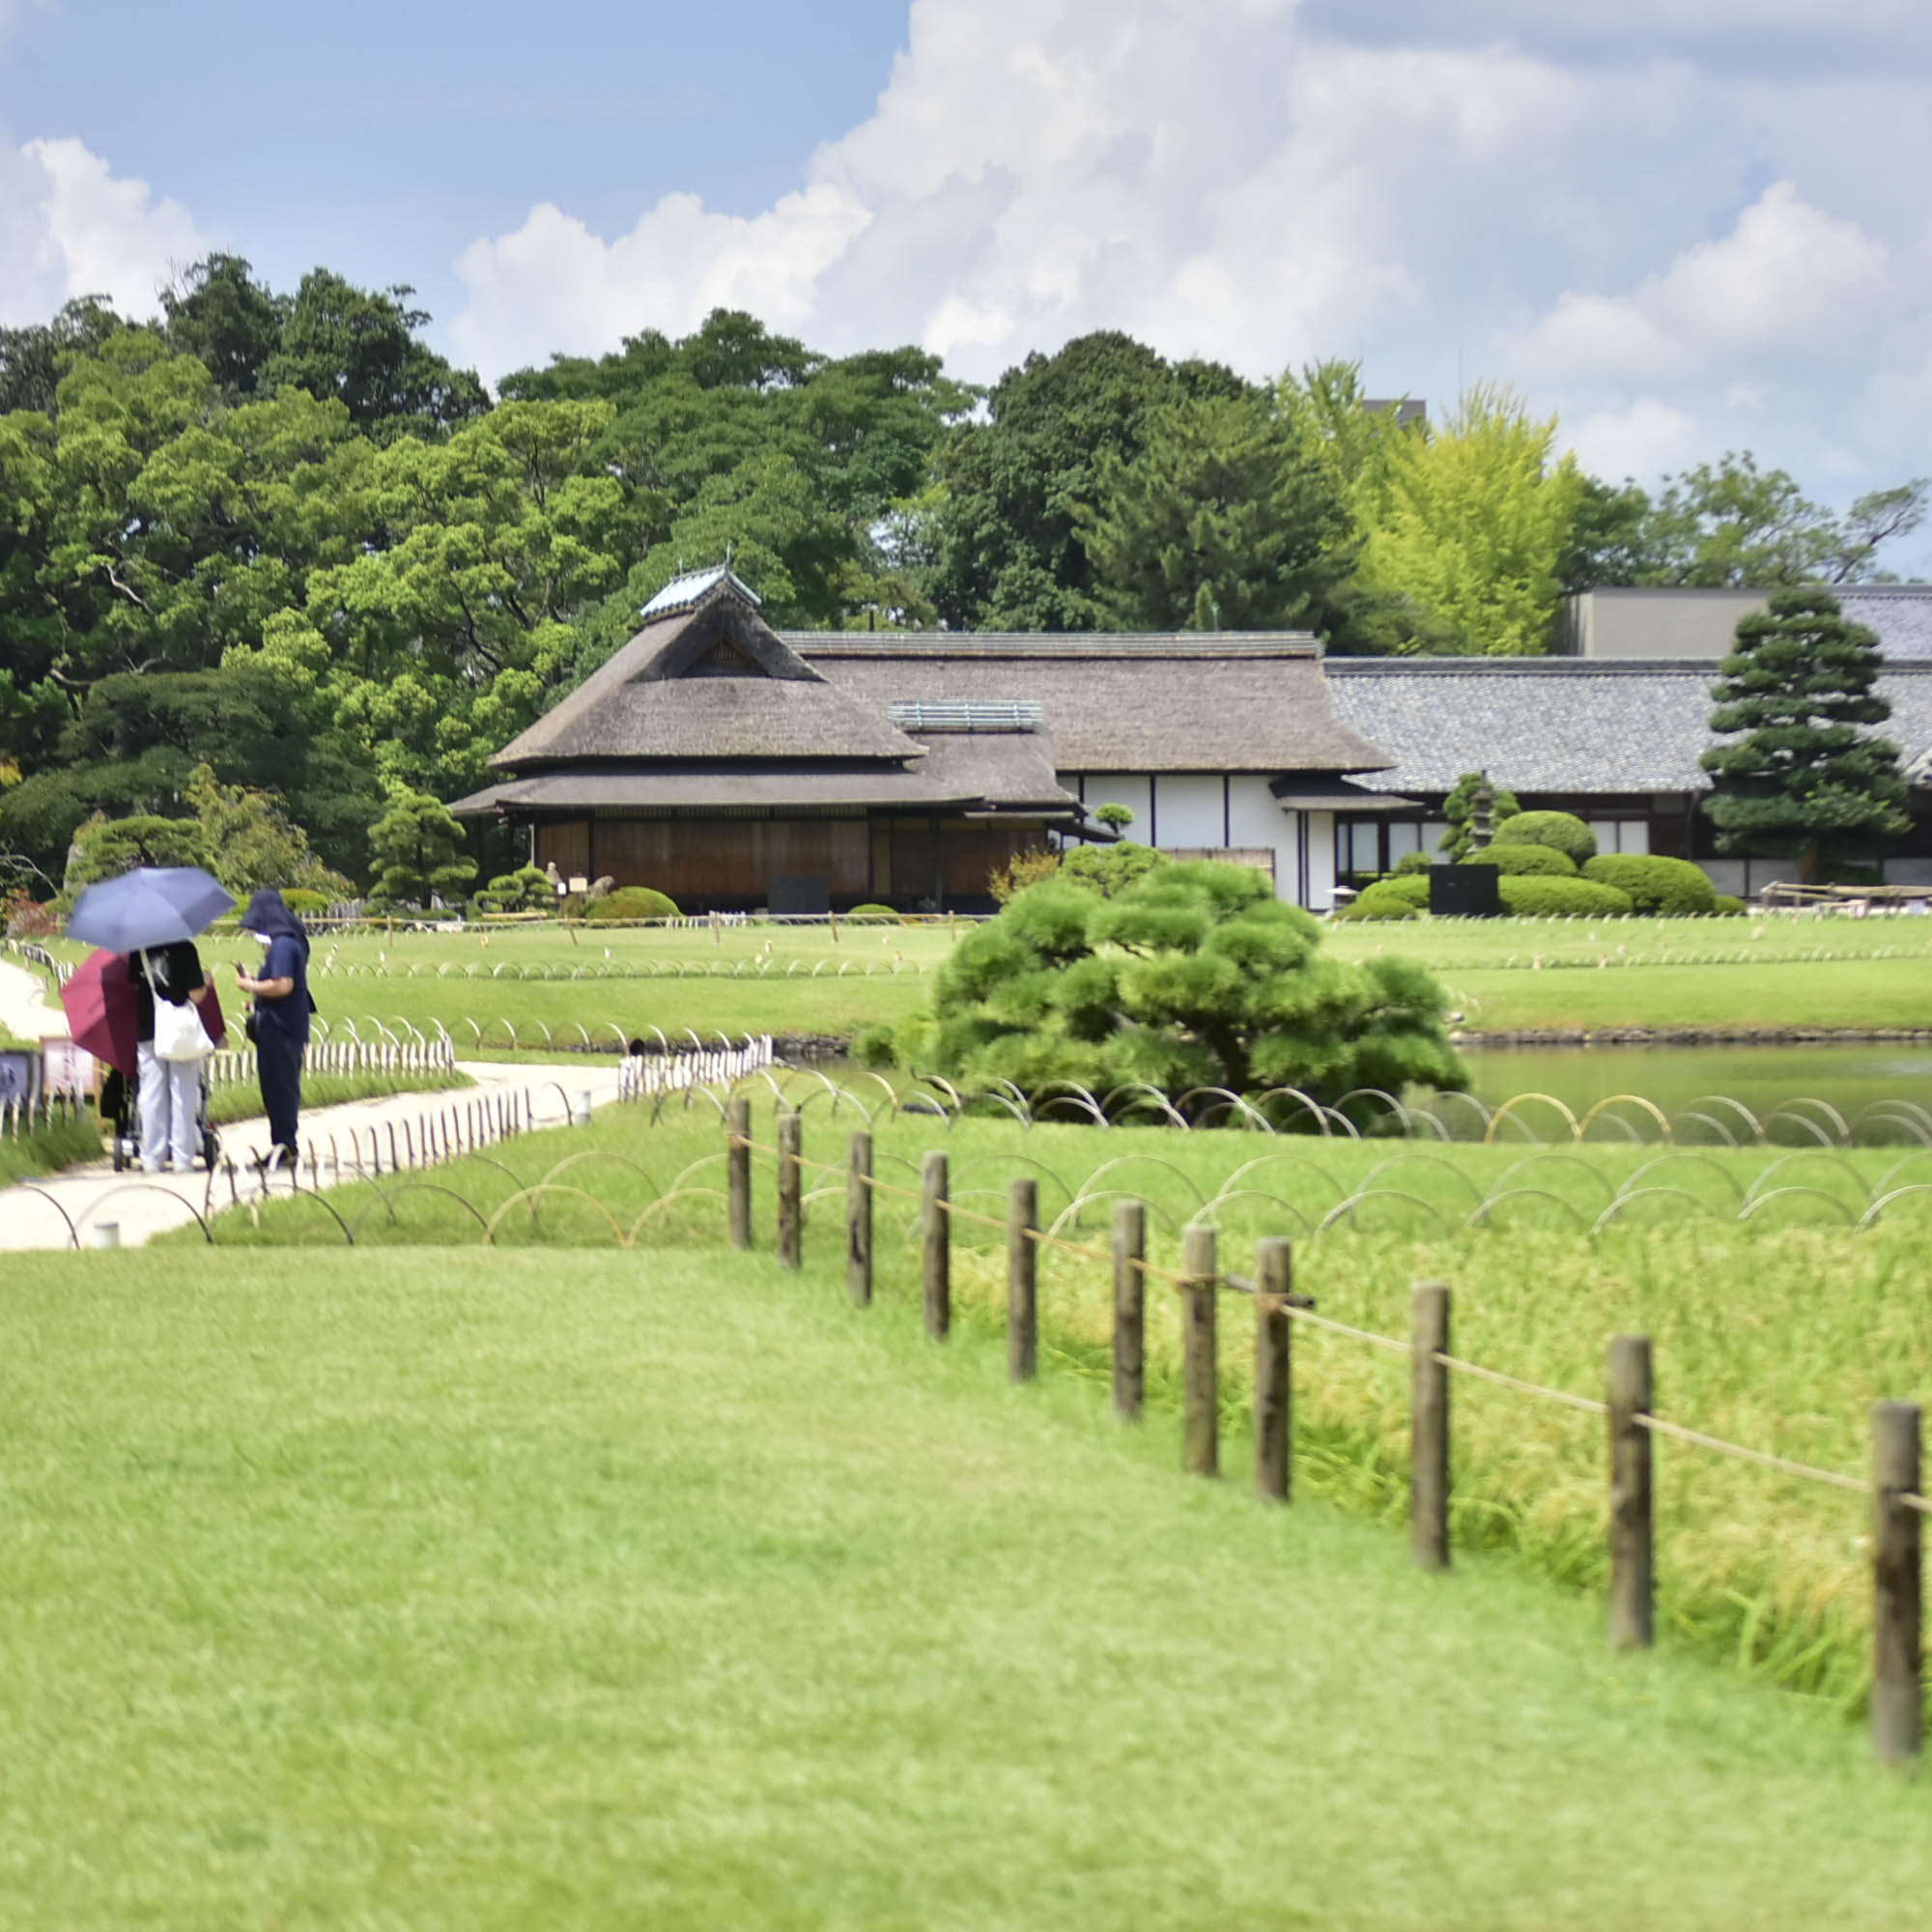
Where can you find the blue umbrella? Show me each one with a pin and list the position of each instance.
(153, 905)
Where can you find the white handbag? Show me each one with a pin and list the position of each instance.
(179, 1034)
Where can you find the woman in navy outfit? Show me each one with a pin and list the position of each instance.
(282, 1006)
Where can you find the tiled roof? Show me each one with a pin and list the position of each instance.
(1557, 724)
(1901, 614)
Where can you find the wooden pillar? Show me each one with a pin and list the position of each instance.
(1429, 1501)
(1201, 1373)
(1129, 1309)
(1023, 1280)
(738, 1168)
(791, 1213)
(937, 1253)
(1274, 1400)
(1632, 1533)
(1897, 1601)
(859, 1221)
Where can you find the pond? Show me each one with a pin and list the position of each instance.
(1850, 1078)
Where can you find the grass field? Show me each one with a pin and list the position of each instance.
(464, 1590)
(47, 1149)
(1777, 1331)
(1505, 975)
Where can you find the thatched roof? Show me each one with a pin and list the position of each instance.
(711, 680)
(1236, 701)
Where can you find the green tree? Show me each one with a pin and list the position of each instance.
(1225, 520)
(103, 849)
(361, 348)
(1012, 554)
(1198, 975)
(1732, 523)
(1477, 522)
(34, 358)
(228, 322)
(419, 849)
(1803, 775)
(251, 841)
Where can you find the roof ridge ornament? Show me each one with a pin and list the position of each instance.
(691, 587)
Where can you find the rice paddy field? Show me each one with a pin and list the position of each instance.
(1785, 1289)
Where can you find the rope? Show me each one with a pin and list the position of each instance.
(1587, 1405)
(1657, 1425)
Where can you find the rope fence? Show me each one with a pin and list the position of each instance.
(1894, 1486)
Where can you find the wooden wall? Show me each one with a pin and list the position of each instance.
(732, 861)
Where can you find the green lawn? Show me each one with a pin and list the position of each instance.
(667, 1590)
(554, 986)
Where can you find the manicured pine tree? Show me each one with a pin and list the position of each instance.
(418, 848)
(1802, 775)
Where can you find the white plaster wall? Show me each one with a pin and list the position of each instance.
(1255, 818)
(1129, 789)
(1320, 896)
(1187, 810)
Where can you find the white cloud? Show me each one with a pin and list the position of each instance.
(68, 227)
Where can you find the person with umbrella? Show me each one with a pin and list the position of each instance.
(152, 916)
(282, 1006)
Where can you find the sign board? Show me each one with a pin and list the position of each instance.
(66, 1068)
(19, 1077)
(1465, 892)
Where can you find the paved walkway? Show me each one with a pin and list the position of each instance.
(76, 1208)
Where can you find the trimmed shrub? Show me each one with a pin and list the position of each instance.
(1382, 900)
(632, 902)
(1410, 887)
(1410, 865)
(1561, 829)
(1561, 899)
(1663, 888)
(1725, 906)
(1525, 862)
(879, 914)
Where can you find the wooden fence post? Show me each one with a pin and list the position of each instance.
(738, 1167)
(1429, 1497)
(1023, 1280)
(1896, 1602)
(1632, 1533)
(1274, 1397)
(859, 1221)
(938, 1251)
(1202, 1374)
(1129, 1309)
(791, 1215)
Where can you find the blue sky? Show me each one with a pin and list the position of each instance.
(1682, 226)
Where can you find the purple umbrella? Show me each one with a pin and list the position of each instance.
(151, 906)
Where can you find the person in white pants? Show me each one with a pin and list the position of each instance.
(170, 1088)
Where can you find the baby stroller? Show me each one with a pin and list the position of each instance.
(121, 1108)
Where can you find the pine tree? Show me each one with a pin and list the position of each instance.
(1223, 522)
(418, 848)
(1802, 775)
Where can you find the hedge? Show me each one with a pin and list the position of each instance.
(1727, 907)
(881, 913)
(1664, 888)
(1380, 900)
(1561, 899)
(1409, 886)
(1526, 861)
(632, 902)
(1561, 829)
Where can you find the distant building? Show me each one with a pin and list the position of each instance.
(734, 766)
(1701, 624)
